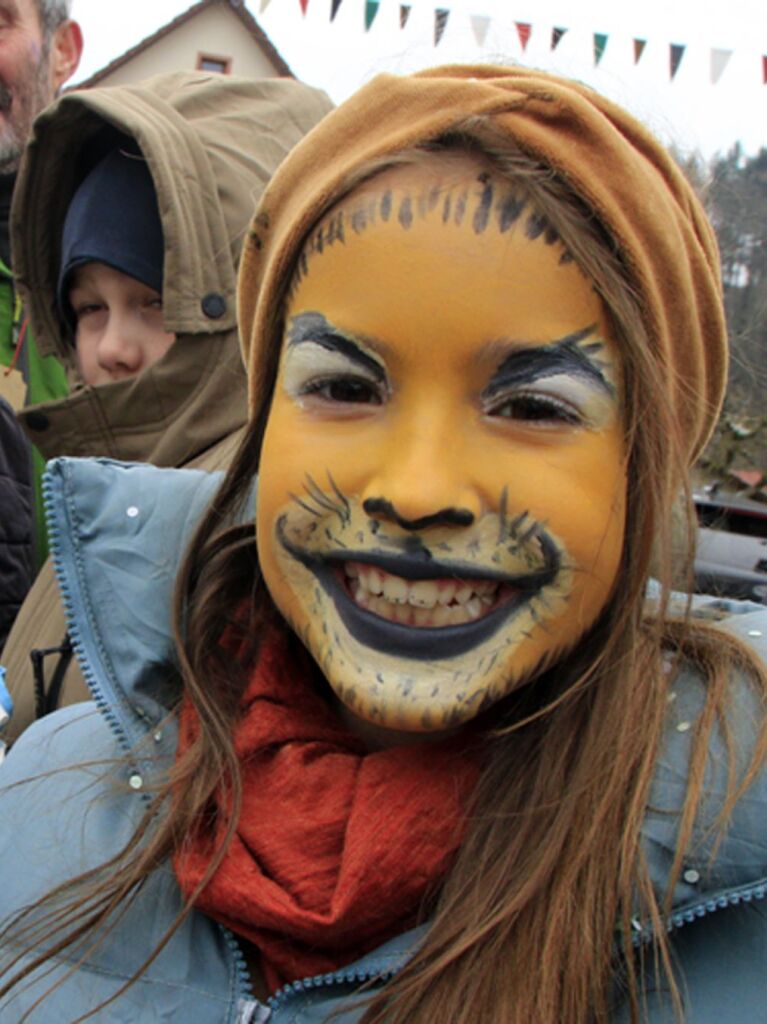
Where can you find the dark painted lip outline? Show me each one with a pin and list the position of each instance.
(421, 643)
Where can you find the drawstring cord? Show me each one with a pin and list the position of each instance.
(47, 698)
(20, 324)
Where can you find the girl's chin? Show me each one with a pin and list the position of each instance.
(379, 737)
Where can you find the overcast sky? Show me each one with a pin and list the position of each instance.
(340, 56)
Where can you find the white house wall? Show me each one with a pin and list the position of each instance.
(216, 32)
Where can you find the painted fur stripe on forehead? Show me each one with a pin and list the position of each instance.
(485, 204)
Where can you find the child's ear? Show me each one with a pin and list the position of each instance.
(66, 50)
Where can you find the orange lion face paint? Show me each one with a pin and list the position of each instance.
(442, 489)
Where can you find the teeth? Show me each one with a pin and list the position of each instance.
(375, 581)
(425, 603)
(402, 614)
(441, 616)
(382, 607)
(395, 589)
(424, 593)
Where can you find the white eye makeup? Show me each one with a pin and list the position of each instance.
(560, 398)
(323, 366)
(566, 383)
(313, 371)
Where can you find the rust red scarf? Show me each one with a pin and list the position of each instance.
(336, 847)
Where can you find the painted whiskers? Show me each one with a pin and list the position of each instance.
(426, 612)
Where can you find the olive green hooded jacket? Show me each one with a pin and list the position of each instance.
(211, 143)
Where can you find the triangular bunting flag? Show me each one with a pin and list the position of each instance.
(440, 21)
(600, 45)
(371, 9)
(304, 5)
(719, 61)
(334, 5)
(764, 70)
(675, 53)
(404, 14)
(264, 5)
(524, 29)
(639, 45)
(480, 25)
(556, 37)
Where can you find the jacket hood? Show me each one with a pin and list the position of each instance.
(102, 514)
(211, 143)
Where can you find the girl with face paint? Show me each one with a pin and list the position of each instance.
(439, 749)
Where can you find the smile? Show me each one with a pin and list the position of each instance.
(416, 607)
(421, 603)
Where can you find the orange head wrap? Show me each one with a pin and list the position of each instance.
(611, 162)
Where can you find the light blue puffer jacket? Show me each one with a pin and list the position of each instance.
(75, 785)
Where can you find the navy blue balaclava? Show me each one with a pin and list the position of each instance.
(113, 218)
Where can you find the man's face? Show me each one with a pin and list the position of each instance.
(442, 488)
(30, 72)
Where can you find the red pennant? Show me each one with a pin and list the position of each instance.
(440, 21)
(675, 54)
(524, 30)
(304, 5)
(639, 45)
(764, 70)
(556, 37)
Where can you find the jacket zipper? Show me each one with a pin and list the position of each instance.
(679, 918)
(254, 1012)
(75, 636)
(244, 986)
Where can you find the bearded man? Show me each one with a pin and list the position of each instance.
(40, 49)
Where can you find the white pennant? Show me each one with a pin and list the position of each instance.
(719, 61)
(480, 25)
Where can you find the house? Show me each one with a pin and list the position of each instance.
(212, 35)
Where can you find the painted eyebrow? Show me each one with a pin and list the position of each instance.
(566, 355)
(314, 328)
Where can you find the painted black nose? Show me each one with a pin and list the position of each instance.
(381, 508)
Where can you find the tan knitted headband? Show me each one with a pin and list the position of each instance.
(617, 168)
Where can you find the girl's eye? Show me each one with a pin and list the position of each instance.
(537, 409)
(346, 390)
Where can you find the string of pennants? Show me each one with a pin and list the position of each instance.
(480, 24)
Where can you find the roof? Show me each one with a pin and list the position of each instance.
(237, 7)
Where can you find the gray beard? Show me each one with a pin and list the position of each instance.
(18, 110)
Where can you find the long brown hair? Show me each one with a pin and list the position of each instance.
(534, 922)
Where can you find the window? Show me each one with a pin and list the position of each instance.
(219, 65)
